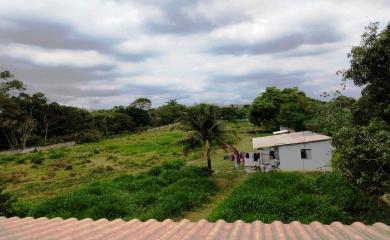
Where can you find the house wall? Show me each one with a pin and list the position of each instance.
(290, 156)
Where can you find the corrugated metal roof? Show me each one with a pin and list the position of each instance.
(42, 228)
(288, 138)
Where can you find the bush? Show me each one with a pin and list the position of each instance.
(92, 135)
(167, 191)
(5, 158)
(35, 140)
(362, 156)
(6, 200)
(37, 158)
(56, 154)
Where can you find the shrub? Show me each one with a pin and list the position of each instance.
(56, 154)
(166, 191)
(69, 167)
(5, 158)
(37, 158)
(92, 135)
(362, 156)
(35, 140)
(6, 200)
(20, 161)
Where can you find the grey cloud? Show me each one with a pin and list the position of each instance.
(64, 84)
(313, 34)
(249, 85)
(57, 81)
(177, 20)
(50, 34)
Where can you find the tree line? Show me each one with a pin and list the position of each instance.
(31, 119)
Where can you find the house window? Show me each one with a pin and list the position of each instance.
(306, 153)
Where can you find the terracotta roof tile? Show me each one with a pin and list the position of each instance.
(52, 229)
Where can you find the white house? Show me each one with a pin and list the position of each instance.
(297, 151)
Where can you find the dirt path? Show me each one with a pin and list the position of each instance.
(226, 185)
(39, 148)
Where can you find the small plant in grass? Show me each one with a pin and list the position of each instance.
(69, 167)
(96, 151)
(56, 154)
(112, 158)
(7, 158)
(20, 161)
(37, 158)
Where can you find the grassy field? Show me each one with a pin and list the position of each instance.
(34, 176)
(290, 196)
(114, 178)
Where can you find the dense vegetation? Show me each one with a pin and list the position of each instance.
(291, 108)
(31, 120)
(362, 149)
(163, 192)
(296, 196)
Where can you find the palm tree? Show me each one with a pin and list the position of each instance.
(205, 132)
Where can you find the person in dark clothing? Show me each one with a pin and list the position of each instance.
(271, 154)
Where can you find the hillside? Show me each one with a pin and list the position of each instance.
(122, 177)
(32, 177)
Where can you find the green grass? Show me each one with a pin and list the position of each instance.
(294, 196)
(166, 191)
(35, 176)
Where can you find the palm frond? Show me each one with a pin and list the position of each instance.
(192, 141)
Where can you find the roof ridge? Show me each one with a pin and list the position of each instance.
(72, 228)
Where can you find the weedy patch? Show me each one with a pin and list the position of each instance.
(297, 196)
(166, 191)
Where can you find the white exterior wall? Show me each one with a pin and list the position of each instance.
(290, 156)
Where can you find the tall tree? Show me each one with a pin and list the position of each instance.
(205, 132)
(330, 115)
(17, 122)
(168, 113)
(142, 103)
(274, 107)
(362, 150)
(370, 68)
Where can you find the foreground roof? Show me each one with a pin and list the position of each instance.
(57, 228)
(288, 138)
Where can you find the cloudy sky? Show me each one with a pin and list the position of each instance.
(101, 53)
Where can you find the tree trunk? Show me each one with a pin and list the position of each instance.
(9, 131)
(106, 128)
(26, 130)
(210, 170)
(208, 153)
(46, 124)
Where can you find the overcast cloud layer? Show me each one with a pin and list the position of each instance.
(101, 53)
